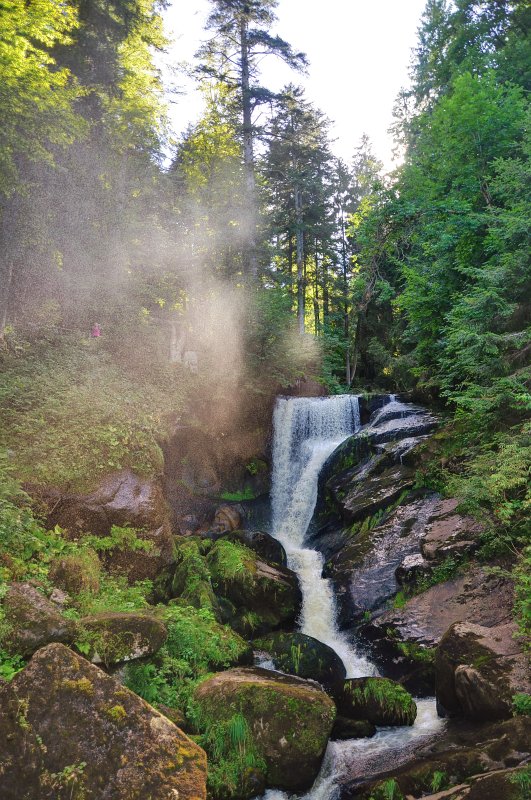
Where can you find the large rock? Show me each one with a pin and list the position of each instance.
(380, 701)
(21, 755)
(263, 544)
(364, 568)
(260, 596)
(115, 637)
(448, 533)
(290, 720)
(418, 626)
(304, 656)
(365, 493)
(80, 716)
(478, 670)
(502, 784)
(33, 620)
(121, 499)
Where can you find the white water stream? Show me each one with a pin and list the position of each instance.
(306, 432)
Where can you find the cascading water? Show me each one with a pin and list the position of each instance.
(306, 432)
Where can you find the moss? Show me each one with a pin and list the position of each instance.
(82, 686)
(380, 700)
(116, 713)
(416, 652)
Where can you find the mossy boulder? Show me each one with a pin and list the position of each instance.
(263, 544)
(114, 637)
(189, 577)
(304, 656)
(79, 716)
(289, 719)
(379, 700)
(33, 621)
(478, 670)
(76, 573)
(260, 596)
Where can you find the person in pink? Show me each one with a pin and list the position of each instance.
(96, 331)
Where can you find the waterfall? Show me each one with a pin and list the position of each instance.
(306, 432)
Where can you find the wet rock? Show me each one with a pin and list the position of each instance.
(227, 518)
(449, 534)
(369, 492)
(261, 596)
(78, 714)
(478, 670)
(116, 637)
(459, 754)
(304, 656)
(476, 596)
(263, 544)
(33, 620)
(364, 569)
(345, 728)
(504, 784)
(370, 404)
(413, 569)
(378, 700)
(418, 424)
(290, 720)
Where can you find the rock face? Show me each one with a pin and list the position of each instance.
(73, 714)
(449, 533)
(290, 720)
(501, 784)
(115, 637)
(476, 596)
(364, 569)
(34, 621)
(478, 670)
(304, 656)
(380, 701)
(122, 498)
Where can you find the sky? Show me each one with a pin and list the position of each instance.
(359, 52)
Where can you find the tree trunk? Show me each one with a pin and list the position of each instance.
(299, 234)
(248, 155)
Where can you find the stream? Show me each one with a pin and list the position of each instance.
(307, 430)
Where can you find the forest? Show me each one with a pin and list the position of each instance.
(154, 282)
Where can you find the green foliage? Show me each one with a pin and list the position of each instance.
(388, 790)
(522, 704)
(70, 413)
(113, 594)
(416, 652)
(522, 780)
(120, 538)
(439, 781)
(10, 665)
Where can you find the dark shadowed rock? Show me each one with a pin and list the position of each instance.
(478, 670)
(502, 784)
(368, 493)
(114, 637)
(263, 544)
(345, 728)
(380, 701)
(304, 656)
(33, 620)
(78, 714)
(290, 720)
